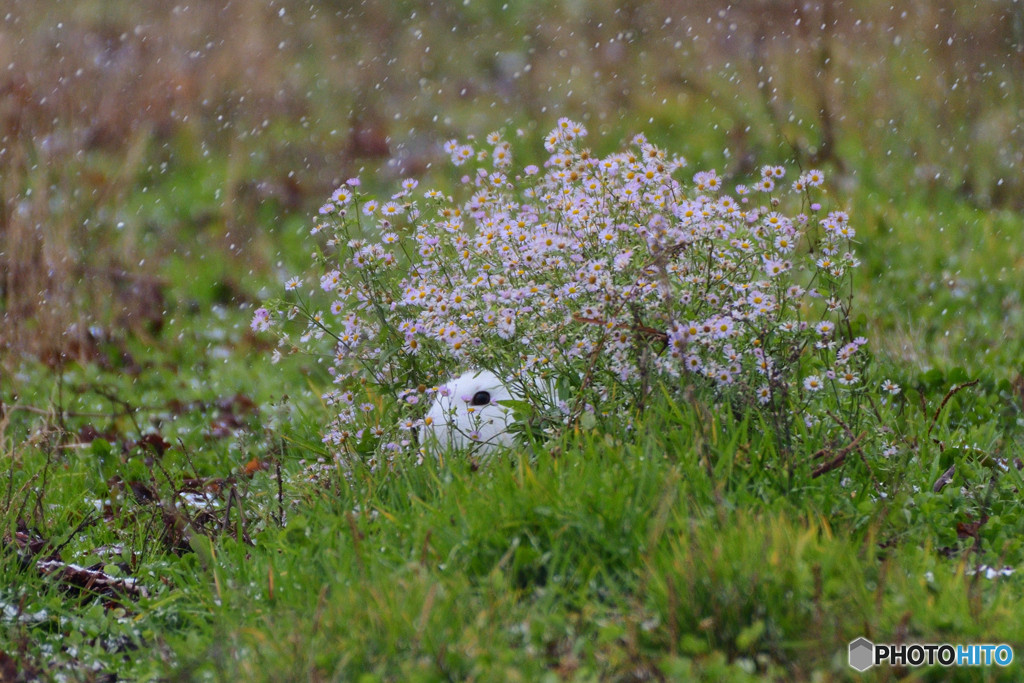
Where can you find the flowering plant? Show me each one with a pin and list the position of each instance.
(602, 277)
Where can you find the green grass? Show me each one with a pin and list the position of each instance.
(683, 553)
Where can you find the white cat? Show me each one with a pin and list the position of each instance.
(467, 412)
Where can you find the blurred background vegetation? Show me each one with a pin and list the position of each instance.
(155, 156)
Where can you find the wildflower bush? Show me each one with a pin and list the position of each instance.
(606, 279)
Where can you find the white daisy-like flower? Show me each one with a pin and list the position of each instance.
(890, 387)
(848, 378)
(813, 383)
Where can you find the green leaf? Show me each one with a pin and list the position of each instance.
(958, 376)
(202, 547)
(520, 409)
(750, 635)
(933, 379)
(100, 448)
(693, 645)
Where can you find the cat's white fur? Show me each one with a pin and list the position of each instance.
(454, 422)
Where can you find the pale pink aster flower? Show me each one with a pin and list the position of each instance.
(261, 320)
(773, 267)
(813, 383)
(330, 281)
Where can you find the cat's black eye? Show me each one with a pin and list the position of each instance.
(481, 398)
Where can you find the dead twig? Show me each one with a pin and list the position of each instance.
(89, 520)
(91, 580)
(945, 479)
(356, 538)
(426, 548)
(280, 490)
(950, 394)
(860, 452)
(641, 330)
(839, 459)
(673, 614)
(129, 411)
(75, 414)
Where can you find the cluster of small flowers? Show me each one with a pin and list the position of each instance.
(605, 276)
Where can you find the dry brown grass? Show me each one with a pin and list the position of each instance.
(99, 92)
(93, 90)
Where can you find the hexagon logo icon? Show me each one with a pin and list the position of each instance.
(862, 654)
